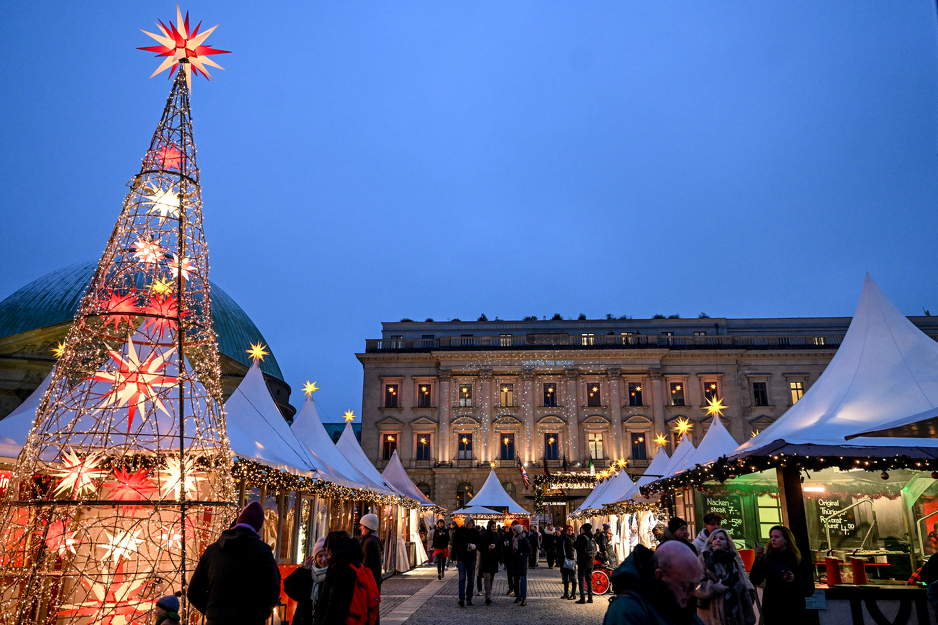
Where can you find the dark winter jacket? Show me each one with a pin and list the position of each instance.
(782, 602)
(371, 548)
(640, 598)
(489, 558)
(464, 537)
(335, 596)
(441, 538)
(581, 544)
(601, 542)
(565, 549)
(548, 541)
(298, 585)
(667, 535)
(236, 581)
(520, 555)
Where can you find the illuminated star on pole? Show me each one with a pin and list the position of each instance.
(258, 351)
(661, 440)
(180, 45)
(164, 203)
(120, 545)
(78, 474)
(683, 426)
(714, 407)
(349, 416)
(309, 388)
(59, 349)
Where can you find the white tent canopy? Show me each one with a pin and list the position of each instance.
(885, 371)
(257, 430)
(15, 427)
(591, 499)
(493, 495)
(477, 511)
(308, 428)
(618, 487)
(348, 446)
(717, 442)
(654, 471)
(684, 450)
(395, 475)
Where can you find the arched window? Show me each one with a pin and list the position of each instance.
(510, 489)
(463, 494)
(424, 488)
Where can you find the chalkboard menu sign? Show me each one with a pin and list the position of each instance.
(730, 507)
(844, 525)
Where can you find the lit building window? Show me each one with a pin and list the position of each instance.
(797, 391)
(506, 395)
(505, 340)
(389, 446)
(550, 395)
(424, 394)
(423, 447)
(587, 338)
(391, 396)
(677, 394)
(463, 494)
(635, 394)
(465, 395)
(594, 443)
(551, 446)
(639, 447)
(507, 446)
(710, 391)
(465, 447)
(593, 396)
(760, 396)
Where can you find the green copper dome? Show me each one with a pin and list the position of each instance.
(54, 298)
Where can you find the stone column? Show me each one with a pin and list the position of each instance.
(573, 415)
(614, 380)
(485, 412)
(657, 400)
(445, 444)
(527, 414)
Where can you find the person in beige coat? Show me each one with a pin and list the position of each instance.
(723, 594)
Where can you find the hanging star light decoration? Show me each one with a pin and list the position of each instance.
(755, 433)
(258, 351)
(172, 480)
(661, 440)
(714, 407)
(59, 349)
(120, 308)
(148, 252)
(683, 426)
(161, 286)
(309, 388)
(349, 416)
(78, 474)
(120, 545)
(185, 266)
(163, 202)
(168, 157)
(162, 314)
(117, 601)
(130, 486)
(59, 539)
(180, 45)
(136, 382)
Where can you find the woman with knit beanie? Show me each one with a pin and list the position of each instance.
(521, 551)
(303, 584)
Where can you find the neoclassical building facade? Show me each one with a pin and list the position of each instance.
(454, 398)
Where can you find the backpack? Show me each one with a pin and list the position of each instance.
(590, 547)
(365, 599)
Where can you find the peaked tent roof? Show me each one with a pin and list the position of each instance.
(477, 511)
(493, 494)
(257, 430)
(885, 371)
(684, 450)
(15, 427)
(654, 471)
(618, 486)
(348, 446)
(591, 499)
(308, 428)
(717, 442)
(395, 475)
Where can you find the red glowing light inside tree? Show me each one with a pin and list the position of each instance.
(130, 486)
(165, 313)
(168, 157)
(120, 308)
(119, 601)
(59, 539)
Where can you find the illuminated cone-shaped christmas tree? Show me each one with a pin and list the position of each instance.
(125, 478)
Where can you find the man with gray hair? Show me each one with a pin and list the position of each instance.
(656, 587)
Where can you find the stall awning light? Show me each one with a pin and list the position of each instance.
(813, 489)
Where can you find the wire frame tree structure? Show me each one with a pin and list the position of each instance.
(126, 474)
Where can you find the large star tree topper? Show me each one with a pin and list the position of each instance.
(180, 45)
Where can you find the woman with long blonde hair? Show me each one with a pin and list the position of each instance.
(723, 594)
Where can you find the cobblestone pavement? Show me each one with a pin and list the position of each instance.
(419, 598)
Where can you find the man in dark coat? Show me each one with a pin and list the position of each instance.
(655, 587)
(237, 579)
(335, 596)
(549, 544)
(466, 544)
(585, 547)
(521, 551)
(507, 558)
(490, 553)
(534, 539)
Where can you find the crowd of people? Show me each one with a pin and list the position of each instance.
(683, 582)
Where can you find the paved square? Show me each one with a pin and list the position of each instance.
(418, 597)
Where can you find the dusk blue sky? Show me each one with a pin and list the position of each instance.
(364, 162)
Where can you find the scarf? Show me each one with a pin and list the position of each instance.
(319, 576)
(169, 616)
